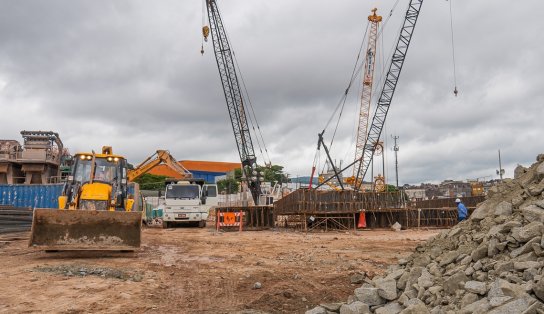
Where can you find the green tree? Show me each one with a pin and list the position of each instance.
(391, 188)
(151, 182)
(229, 185)
(272, 174)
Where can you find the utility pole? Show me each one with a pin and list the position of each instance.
(500, 172)
(396, 149)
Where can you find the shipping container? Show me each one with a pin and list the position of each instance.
(31, 196)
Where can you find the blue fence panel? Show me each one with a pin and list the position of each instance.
(34, 195)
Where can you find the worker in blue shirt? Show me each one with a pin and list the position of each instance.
(461, 210)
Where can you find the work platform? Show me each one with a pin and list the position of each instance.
(314, 209)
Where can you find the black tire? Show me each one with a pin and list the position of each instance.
(202, 224)
(165, 225)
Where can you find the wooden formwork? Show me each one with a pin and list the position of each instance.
(381, 210)
(469, 201)
(311, 202)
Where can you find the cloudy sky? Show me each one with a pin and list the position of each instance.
(129, 73)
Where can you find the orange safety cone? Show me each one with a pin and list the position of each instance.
(362, 220)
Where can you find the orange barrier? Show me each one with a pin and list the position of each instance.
(230, 219)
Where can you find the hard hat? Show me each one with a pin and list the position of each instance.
(457, 200)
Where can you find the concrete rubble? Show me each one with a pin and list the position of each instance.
(490, 263)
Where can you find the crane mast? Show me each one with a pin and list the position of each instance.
(388, 89)
(387, 92)
(366, 95)
(233, 96)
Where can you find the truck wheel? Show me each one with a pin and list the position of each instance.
(202, 224)
(165, 225)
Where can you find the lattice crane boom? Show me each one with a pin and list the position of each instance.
(366, 95)
(233, 96)
(390, 84)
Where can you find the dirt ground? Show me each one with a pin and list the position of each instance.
(191, 270)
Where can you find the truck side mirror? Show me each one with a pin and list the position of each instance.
(203, 200)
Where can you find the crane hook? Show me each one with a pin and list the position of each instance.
(455, 91)
(202, 50)
(205, 32)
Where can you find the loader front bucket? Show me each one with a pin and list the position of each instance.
(67, 230)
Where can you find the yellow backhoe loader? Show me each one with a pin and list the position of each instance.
(95, 209)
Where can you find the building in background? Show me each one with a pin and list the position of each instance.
(37, 161)
(207, 170)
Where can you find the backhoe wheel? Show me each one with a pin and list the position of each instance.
(202, 224)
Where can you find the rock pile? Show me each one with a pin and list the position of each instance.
(491, 263)
(83, 271)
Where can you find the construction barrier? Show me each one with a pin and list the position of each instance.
(229, 219)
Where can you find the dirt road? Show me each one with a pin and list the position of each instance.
(191, 270)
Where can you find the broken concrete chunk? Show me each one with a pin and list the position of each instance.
(503, 209)
(390, 308)
(356, 307)
(396, 274)
(476, 287)
(425, 280)
(529, 231)
(538, 289)
(479, 307)
(533, 213)
(526, 265)
(468, 298)
(369, 295)
(501, 288)
(419, 308)
(480, 252)
(453, 283)
(526, 248)
(387, 289)
(317, 310)
(513, 307)
(333, 307)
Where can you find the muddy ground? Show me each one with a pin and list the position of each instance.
(191, 270)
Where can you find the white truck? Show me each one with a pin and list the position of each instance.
(187, 202)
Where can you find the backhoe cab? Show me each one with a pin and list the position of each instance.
(95, 209)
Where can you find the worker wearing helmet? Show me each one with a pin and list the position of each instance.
(461, 210)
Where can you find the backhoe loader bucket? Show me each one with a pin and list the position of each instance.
(67, 230)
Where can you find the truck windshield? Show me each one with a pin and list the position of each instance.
(182, 192)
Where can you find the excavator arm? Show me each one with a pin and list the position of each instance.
(159, 157)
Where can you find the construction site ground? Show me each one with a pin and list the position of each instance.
(192, 270)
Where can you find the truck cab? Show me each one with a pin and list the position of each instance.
(187, 202)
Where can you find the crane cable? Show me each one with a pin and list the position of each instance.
(342, 102)
(252, 116)
(455, 91)
(356, 70)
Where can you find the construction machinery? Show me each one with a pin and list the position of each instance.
(366, 95)
(234, 97)
(386, 96)
(159, 157)
(187, 202)
(95, 209)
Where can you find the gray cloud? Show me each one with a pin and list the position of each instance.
(129, 74)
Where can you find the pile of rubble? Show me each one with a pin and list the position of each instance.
(491, 263)
(82, 271)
